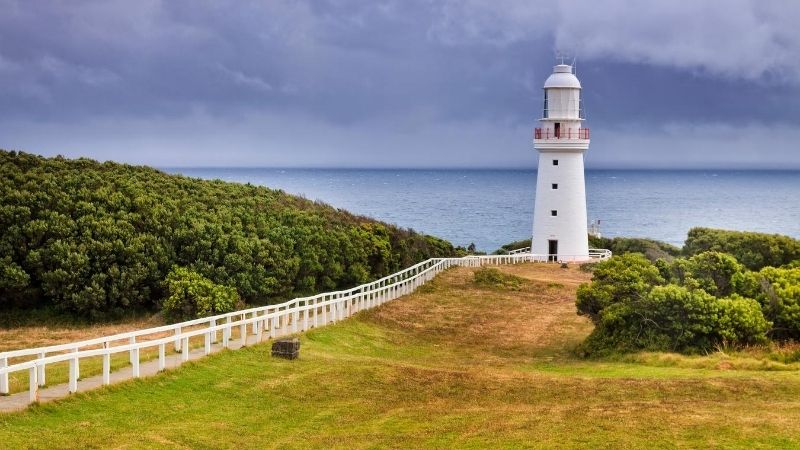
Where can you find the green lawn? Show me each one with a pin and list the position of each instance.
(454, 365)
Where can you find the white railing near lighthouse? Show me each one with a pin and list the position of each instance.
(269, 321)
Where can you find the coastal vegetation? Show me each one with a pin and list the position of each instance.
(457, 364)
(98, 240)
(754, 250)
(650, 248)
(723, 289)
(696, 307)
(691, 304)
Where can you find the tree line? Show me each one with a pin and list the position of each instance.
(98, 240)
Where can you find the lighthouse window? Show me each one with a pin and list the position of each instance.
(553, 212)
(545, 104)
(555, 186)
(555, 162)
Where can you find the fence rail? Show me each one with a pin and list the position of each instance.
(272, 321)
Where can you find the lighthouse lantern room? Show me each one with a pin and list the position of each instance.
(559, 217)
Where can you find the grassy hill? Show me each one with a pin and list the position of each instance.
(459, 363)
(97, 240)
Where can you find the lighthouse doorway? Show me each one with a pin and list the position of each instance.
(552, 250)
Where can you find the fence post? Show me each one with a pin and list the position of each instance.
(73, 375)
(40, 376)
(107, 368)
(33, 385)
(315, 322)
(77, 365)
(270, 327)
(208, 343)
(4, 377)
(131, 341)
(211, 324)
(177, 339)
(162, 357)
(185, 350)
(226, 333)
(135, 370)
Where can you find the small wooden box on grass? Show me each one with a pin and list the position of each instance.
(286, 348)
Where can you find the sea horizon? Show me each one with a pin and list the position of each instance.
(492, 207)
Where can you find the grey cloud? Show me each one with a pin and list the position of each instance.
(747, 39)
(370, 83)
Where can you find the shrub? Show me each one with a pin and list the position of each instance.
(192, 296)
(650, 248)
(494, 278)
(674, 318)
(754, 250)
(714, 272)
(741, 321)
(622, 278)
(780, 299)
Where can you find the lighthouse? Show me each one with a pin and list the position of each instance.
(559, 214)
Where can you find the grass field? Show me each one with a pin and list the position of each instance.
(456, 364)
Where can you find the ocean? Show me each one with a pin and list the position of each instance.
(493, 207)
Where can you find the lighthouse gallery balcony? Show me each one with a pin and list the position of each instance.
(568, 133)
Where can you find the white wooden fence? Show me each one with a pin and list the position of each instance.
(269, 321)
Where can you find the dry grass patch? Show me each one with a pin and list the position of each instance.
(535, 319)
(454, 365)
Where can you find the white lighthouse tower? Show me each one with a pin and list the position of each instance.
(559, 215)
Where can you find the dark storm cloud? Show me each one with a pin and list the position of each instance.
(403, 83)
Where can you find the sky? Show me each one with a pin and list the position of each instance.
(398, 83)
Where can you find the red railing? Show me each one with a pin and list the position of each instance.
(563, 133)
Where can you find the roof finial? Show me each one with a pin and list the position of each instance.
(561, 57)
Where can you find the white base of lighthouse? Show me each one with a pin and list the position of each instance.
(559, 217)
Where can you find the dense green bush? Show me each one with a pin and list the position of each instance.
(621, 278)
(633, 309)
(780, 299)
(754, 250)
(674, 318)
(742, 321)
(494, 278)
(97, 240)
(192, 296)
(718, 274)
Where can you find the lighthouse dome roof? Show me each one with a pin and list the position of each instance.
(562, 77)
